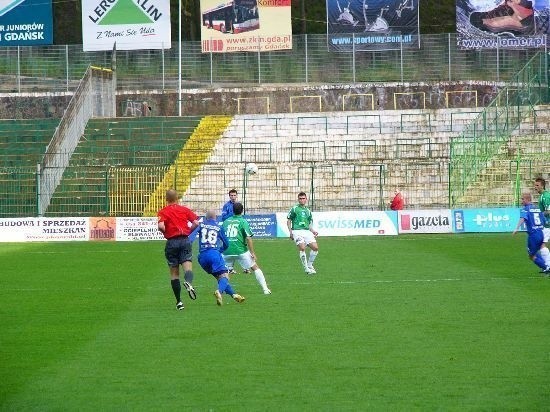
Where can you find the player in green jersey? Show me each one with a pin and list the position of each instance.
(300, 226)
(544, 206)
(241, 247)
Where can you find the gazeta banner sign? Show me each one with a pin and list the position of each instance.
(25, 22)
(425, 221)
(131, 24)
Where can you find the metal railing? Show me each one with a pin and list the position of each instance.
(59, 68)
(473, 151)
(94, 97)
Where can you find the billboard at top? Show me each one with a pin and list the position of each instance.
(245, 25)
(503, 24)
(132, 24)
(26, 22)
(362, 25)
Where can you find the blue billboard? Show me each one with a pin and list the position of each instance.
(364, 25)
(485, 220)
(262, 225)
(26, 22)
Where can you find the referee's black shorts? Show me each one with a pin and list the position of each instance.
(178, 250)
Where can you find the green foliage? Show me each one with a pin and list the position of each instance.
(425, 322)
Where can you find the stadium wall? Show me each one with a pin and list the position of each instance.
(270, 99)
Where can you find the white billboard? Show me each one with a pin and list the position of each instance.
(425, 221)
(245, 25)
(41, 229)
(345, 223)
(132, 24)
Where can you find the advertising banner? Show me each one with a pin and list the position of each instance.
(245, 25)
(26, 22)
(132, 24)
(357, 223)
(262, 225)
(102, 228)
(485, 220)
(425, 221)
(361, 25)
(35, 229)
(137, 228)
(503, 24)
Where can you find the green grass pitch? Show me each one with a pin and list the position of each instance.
(419, 322)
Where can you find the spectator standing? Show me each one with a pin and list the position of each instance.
(397, 202)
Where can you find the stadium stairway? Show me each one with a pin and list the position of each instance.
(189, 161)
(115, 161)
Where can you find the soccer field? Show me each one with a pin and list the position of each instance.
(418, 322)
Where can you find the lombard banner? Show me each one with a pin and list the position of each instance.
(506, 24)
(26, 22)
(485, 220)
(132, 24)
(361, 25)
(357, 223)
(425, 221)
(245, 25)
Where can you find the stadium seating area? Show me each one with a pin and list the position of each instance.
(22, 145)
(350, 160)
(23, 142)
(111, 144)
(346, 160)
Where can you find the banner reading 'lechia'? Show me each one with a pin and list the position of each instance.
(245, 25)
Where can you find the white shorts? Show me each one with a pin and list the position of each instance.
(244, 260)
(303, 236)
(546, 233)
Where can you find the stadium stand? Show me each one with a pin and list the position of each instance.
(346, 160)
(22, 144)
(92, 179)
(189, 161)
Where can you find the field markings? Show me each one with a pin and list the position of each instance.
(310, 282)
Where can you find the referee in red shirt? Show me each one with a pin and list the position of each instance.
(177, 222)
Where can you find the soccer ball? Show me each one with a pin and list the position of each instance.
(251, 168)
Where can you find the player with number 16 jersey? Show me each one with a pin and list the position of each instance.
(212, 241)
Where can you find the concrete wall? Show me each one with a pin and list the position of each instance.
(269, 99)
